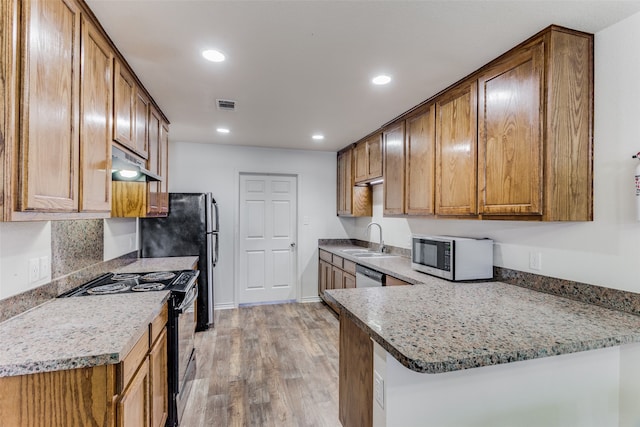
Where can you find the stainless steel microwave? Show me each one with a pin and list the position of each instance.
(452, 258)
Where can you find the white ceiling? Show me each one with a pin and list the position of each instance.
(300, 67)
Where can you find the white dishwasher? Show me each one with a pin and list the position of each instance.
(368, 278)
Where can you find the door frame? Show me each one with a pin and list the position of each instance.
(236, 234)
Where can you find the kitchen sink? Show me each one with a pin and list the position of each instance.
(348, 251)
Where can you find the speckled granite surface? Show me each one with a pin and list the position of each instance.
(442, 326)
(68, 333)
(446, 326)
(76, 244)
(143, 265)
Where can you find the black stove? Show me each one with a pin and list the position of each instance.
(178, 282)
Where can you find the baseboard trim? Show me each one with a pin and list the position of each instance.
(226, 306)
(310, 299)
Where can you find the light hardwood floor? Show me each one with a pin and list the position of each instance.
(267, 365)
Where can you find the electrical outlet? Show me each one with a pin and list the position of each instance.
(34, 270)
(535, 260)
(45, 267)
(378, 388)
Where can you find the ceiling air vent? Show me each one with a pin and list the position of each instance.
(226, 104)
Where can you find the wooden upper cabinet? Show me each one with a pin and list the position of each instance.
(368, 159)
(510, 105)
(124, 107)
(525, 169)
(95, 101)
(351, 200)
(157, 163)
(141, 141)
(49, 118)
(456, 142)
(393, 162)
(420, 162)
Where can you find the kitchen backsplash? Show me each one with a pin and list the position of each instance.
(77, 249)
(75, 245)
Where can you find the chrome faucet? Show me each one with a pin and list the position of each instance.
(382, 247)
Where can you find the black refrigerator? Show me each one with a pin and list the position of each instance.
(190, 229)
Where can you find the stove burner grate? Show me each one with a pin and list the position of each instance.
(111, 288)
(124, 276)
(160, 275)
(144, 287)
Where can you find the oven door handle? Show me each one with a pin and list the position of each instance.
(188, 301)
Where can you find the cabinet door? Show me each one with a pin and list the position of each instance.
(49, 117)
(456, 141)
(124, 97)
(345, 182)
(420, 163)
(510, 100)
(324, 277)
(95, 120)
(336, 278)
(163, 159)
(154, 162)
(133, 405)
(394, 170)
(348, 280)
(374, 157)
(361, 162)
(141, 142)
(158, 388)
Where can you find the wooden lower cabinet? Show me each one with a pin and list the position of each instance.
(133, 404)
(355, 407)
(334, 272)
(132, 393)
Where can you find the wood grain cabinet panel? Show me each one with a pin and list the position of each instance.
(336, 278)
(368, 159)
(95, 120)
(456, 148)
(158, 203)
(510, 101)
(133, 404)
(124, 110)
(356, 376)
(393, 163)
(158, 375)
(141, 140)
(50, 106)
(420, 163)
(351, 200)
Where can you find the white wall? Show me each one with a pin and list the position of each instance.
(604, 252)
(216, 169)
(22, 241)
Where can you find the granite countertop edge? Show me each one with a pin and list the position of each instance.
(449, 364)
(49, 356)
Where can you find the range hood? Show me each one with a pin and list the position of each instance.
(127, 167)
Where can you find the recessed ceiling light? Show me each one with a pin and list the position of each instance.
(213, 55)
(381, 80)
(222, 130)
(318, 137)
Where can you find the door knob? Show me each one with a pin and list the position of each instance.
(293, 245)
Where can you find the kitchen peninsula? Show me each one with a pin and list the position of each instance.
(477, 354)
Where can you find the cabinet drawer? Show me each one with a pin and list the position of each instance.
(349, 267)
(337, 261)
(326, 256)
(392, 281)
(158, 324)
(131, 362)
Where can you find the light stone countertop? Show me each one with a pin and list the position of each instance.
(144, 265)
(67, 333)
(440, 326)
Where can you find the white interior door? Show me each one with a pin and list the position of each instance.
(268, 218)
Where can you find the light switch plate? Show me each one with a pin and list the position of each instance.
(535, 260)
(34, 270)
(45, 267)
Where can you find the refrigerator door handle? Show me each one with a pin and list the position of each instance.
(215, 251)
